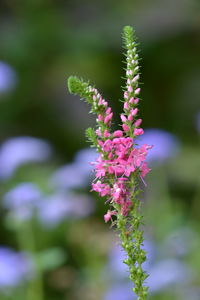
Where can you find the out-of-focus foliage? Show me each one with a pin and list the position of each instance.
(54, 243)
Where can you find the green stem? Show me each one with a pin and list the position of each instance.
(27, 242)
(132, 241)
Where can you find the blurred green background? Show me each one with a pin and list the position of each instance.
(42, 42)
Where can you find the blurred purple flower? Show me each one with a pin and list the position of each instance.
(166, 273)
(162, 274)
(22, 199)
(198, 121)
(165, 144)
(15, 267)
(54, 209)
(120, 291)
(21, 150)
(117, 255)
(8, 77)
(77, 173)
(69, 177)
(84, 157)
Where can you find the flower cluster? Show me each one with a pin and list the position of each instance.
(121, 163)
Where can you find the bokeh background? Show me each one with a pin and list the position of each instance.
(53, 242)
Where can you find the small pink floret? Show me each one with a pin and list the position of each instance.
(125, 127)
(132, 100)
(130, 117)
(123, 118)
(137, 91)
(138, 122)
(118, 133)
(134, 111)
(126, 105)
(138, 131)
(130, 89)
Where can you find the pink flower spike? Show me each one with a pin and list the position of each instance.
(130, 118)
(137, 91)
(125, 127)
(136, 101)
(134, 111)
(108, 110)
(130, 89)
(136, 78)
(118, 133)
(138, 131)
(132, 100)
(126, 105)
(123, 118)
(138, 122)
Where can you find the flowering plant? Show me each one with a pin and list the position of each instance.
(121, 163)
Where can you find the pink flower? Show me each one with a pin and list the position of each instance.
(108, 118)
(118, 133)
(134, 111)
(126, 105)
(123, 118)
(100, 118)
(135, 78)
(136, 101)
(106, 133)
(138, 131)
(130, 117)
(125, 127)
(138, 122)
(137, 91)
(144, 169)
(125, 95)
(108, 215)
(132, 100)
(108, 110)
(130, 89)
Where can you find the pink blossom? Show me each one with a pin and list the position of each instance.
(108, 215)
(118, 133)
(106, 133)
(137, 91)
(134, 111)
(135, 78)
(132, 100)
(98, 132)
(108, 118)
(144, 169)
(130, 117)
(108, 110)
(138, 131)
(125, 95)
(130, 89)
(126, 105)
(100, 118)
(136, 101)
(125, 127)
(138, 122)
(123, 118)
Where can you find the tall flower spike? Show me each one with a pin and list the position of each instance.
(132, 90)
(120, 166)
